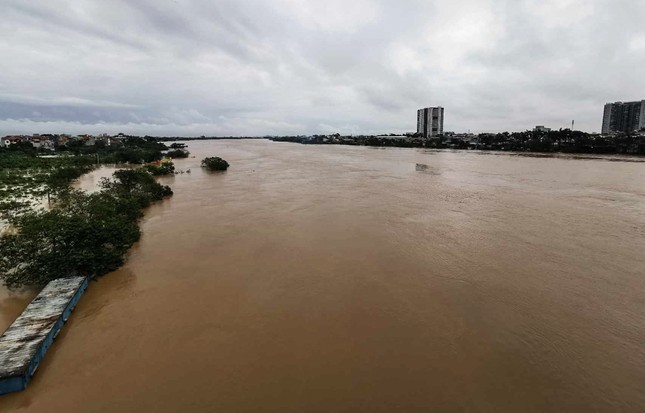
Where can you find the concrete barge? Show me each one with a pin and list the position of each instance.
(24, 344)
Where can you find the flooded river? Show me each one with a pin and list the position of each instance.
(353, 279)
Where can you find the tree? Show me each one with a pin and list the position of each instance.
(136, 185)
(215, 164)
(177, 153)
(164, 168)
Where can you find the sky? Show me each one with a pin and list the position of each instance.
(291, 67)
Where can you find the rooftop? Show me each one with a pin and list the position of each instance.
(21, 341)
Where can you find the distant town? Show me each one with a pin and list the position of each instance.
(623, 132)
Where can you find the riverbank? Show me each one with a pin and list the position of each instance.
(560, 141)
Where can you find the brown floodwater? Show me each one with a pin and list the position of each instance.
(353, 279)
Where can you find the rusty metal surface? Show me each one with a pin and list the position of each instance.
(20, 343)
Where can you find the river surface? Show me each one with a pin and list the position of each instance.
(354, 279)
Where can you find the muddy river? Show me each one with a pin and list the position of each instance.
(353, 279)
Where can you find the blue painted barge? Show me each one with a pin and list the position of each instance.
(24, 344)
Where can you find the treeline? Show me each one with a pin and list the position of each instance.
(202, 138)
(129, 150)
(563, 140)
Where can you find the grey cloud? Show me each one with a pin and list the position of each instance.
(284, 66)
(61, 101)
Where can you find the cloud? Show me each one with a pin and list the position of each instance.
(61, 101)
(243, 67)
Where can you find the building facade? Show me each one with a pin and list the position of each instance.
(541, 128)
(623, 117)
(430, 122)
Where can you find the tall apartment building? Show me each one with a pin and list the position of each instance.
(430, 121)
(623, 117)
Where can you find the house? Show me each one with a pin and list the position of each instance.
(61, 140)
(42, 142)
(7, 141)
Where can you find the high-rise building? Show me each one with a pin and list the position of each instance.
(430, 121)
(623, 117)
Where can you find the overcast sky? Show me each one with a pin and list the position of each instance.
(244, 67)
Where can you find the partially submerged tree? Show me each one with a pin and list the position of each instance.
(164, 168)
(215, 164)
(177, 153)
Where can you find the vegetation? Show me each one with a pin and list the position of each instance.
(215, 164)
(83, 235)
(177, 153)
(160, 169)
(563, 140)
(24, 176)
(132, 149)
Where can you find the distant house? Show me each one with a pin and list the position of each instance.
(7, 141)
(88, 140)
(61, 140)
(35, 141)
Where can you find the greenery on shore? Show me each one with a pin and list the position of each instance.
(562, 141)
(215, 164)
(81, 233)
(26, 175)
(129, 150)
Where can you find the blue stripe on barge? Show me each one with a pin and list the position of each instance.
(24, 344)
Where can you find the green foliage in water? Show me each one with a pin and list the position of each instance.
(215, 164)
(130, 150)
(25, 177)
(165, 168)
(83, 235)
(177, 154)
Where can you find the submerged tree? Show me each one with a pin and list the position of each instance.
(164, 168)
(177, 153)
(215, 164)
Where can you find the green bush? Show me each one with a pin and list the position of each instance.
(177, 153)
(165, 168)
(215, 164)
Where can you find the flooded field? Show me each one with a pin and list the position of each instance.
(345, 279)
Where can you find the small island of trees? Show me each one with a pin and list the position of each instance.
(215, 164)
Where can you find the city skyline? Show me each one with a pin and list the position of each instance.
(285, 67)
